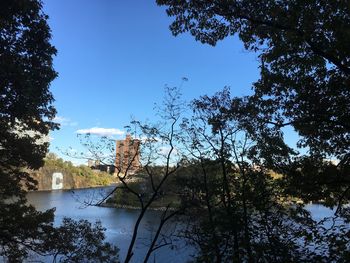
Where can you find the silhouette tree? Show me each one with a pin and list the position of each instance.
(233, 206)
(238, 210)
(25, 108)
(304, 50)
(158, 146)
(26, 114)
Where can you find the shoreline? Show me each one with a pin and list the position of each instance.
(72, 189)
(109, 205)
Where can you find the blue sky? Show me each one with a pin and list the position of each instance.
(115, 57)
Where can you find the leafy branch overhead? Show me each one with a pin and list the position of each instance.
(26, 117)
(304, 53)
(304, 49)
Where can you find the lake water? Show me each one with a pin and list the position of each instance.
(118, 222)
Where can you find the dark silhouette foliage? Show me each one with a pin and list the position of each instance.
(304, 52)
(26, 114)
(237, 208)
(25, 109)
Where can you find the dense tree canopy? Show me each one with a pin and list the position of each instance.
(304, 47)
(26, 115)
(237, 209)
(304, 51)
(25, 77)
(25, 109)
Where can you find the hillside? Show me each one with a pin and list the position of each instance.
(60, 174)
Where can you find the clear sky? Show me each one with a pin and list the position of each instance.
(115, 57)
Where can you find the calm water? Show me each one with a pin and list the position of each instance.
(119, 223)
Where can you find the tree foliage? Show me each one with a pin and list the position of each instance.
(26, 74)
(26, 114)
(238, 211)
(25, 109)
(80, 241)
(304, 50)
(157, 145)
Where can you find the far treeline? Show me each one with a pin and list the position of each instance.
(216, 155)
(74, 176)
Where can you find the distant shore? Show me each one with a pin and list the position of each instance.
(112, 205)
(74, 188)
